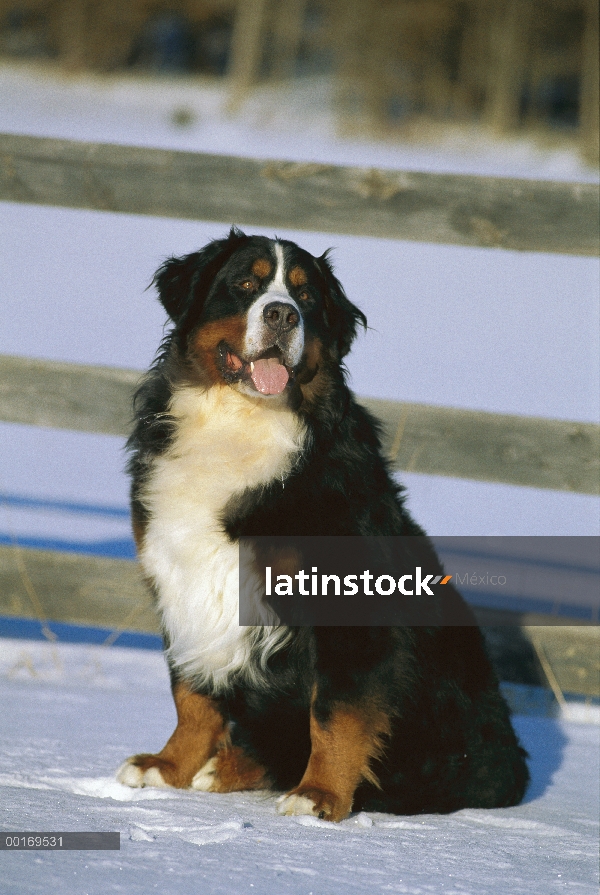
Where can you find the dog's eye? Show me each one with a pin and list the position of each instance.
(304, 296)
(247, 285)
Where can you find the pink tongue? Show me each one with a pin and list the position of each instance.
(269, 376)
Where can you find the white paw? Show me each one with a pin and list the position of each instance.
(294, 805)
(130, 775)
(205, 778)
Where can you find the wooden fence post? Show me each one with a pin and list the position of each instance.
(287, 34)
(590, 93)
(73, 33)
(508, 51)
(246, 49)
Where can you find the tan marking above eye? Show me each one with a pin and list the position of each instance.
(262, 267)
(298, 276)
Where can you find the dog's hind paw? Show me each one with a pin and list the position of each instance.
(133, 773)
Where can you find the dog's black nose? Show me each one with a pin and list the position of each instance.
(281, 317)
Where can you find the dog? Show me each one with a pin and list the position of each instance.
(245, 426)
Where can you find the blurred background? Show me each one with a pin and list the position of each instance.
(400, 69)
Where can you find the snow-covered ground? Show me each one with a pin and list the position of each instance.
(70, 714)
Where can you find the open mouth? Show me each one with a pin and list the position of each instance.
(268, 372)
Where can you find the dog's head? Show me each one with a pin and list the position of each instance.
(257, 314)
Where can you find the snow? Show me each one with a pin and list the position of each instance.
(69, 714)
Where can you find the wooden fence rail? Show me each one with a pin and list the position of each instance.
(532, 216)
(491, 447)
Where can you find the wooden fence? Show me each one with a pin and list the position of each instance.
(456, 210)
(488, 212)
(489, 447)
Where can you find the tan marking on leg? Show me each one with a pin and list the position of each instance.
(341, 752)
(234, 771)
(200, 727)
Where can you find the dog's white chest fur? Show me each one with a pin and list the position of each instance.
(225, 442)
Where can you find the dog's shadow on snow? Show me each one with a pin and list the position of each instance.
(545, 741)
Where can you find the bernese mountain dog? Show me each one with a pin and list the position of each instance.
(245, 426)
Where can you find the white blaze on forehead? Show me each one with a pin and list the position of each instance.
(278, 284)
(258, 335)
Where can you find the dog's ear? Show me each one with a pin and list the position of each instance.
(343, 317)
(178, 280)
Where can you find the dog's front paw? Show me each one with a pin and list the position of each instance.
(315, 802)
(206, 778)
(230, 770)
(144, 770)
